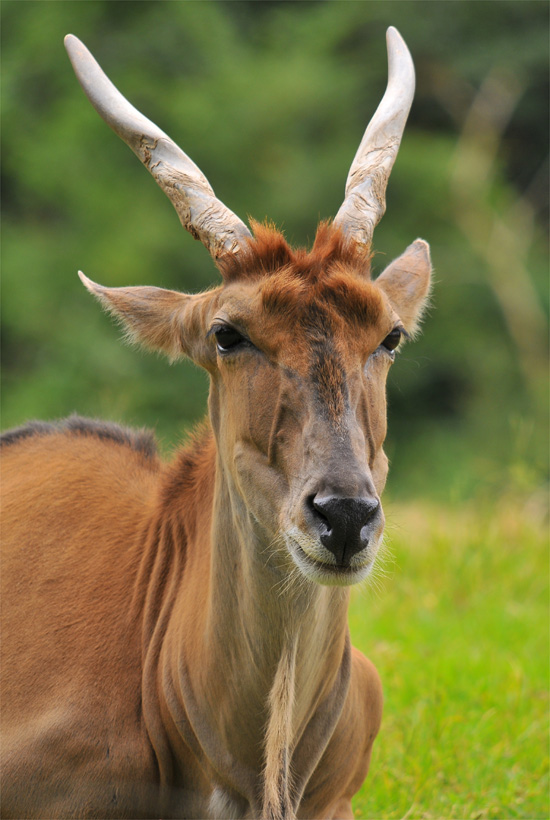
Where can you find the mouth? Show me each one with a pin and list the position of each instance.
(324, 573)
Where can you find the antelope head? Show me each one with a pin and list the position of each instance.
(298, 344)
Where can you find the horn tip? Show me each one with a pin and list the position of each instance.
(71, 41)
(391, 31)
(75, 48)
(394, 40)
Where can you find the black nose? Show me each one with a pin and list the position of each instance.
(342, 523)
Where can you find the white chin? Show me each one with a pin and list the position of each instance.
(327, 574)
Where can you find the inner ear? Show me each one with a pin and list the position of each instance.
(159, 319)
(406, 282)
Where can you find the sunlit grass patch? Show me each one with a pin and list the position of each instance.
(459, 633)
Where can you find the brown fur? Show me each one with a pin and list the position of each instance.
(268, 252)
(140, 440)
(168, 649)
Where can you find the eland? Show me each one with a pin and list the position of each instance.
(175, 634)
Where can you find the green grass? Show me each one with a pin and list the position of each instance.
(459, 631)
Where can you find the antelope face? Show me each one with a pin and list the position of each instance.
(299, 361)
(300, 421)
(298, 355)
(298, 345)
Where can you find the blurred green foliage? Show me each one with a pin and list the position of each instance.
(271, 99)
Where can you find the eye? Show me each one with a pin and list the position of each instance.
(227, 338)
(392, 339)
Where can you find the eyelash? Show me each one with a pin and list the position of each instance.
(233, 338)
(393, 339)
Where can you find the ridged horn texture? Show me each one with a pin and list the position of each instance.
(365, 201)
(204, 216)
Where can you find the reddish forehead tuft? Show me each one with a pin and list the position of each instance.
(354, 299)
(268, 253)
(333, 276)
(338, 293)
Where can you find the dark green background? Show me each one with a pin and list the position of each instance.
(271, 99)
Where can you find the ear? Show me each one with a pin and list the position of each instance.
(406, 283)
(159, 319)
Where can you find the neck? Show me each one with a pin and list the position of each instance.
(258, 655)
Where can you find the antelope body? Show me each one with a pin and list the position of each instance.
(175, 634)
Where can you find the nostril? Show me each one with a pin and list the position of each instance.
(317, 513)
(370, 508)
(369, 513)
